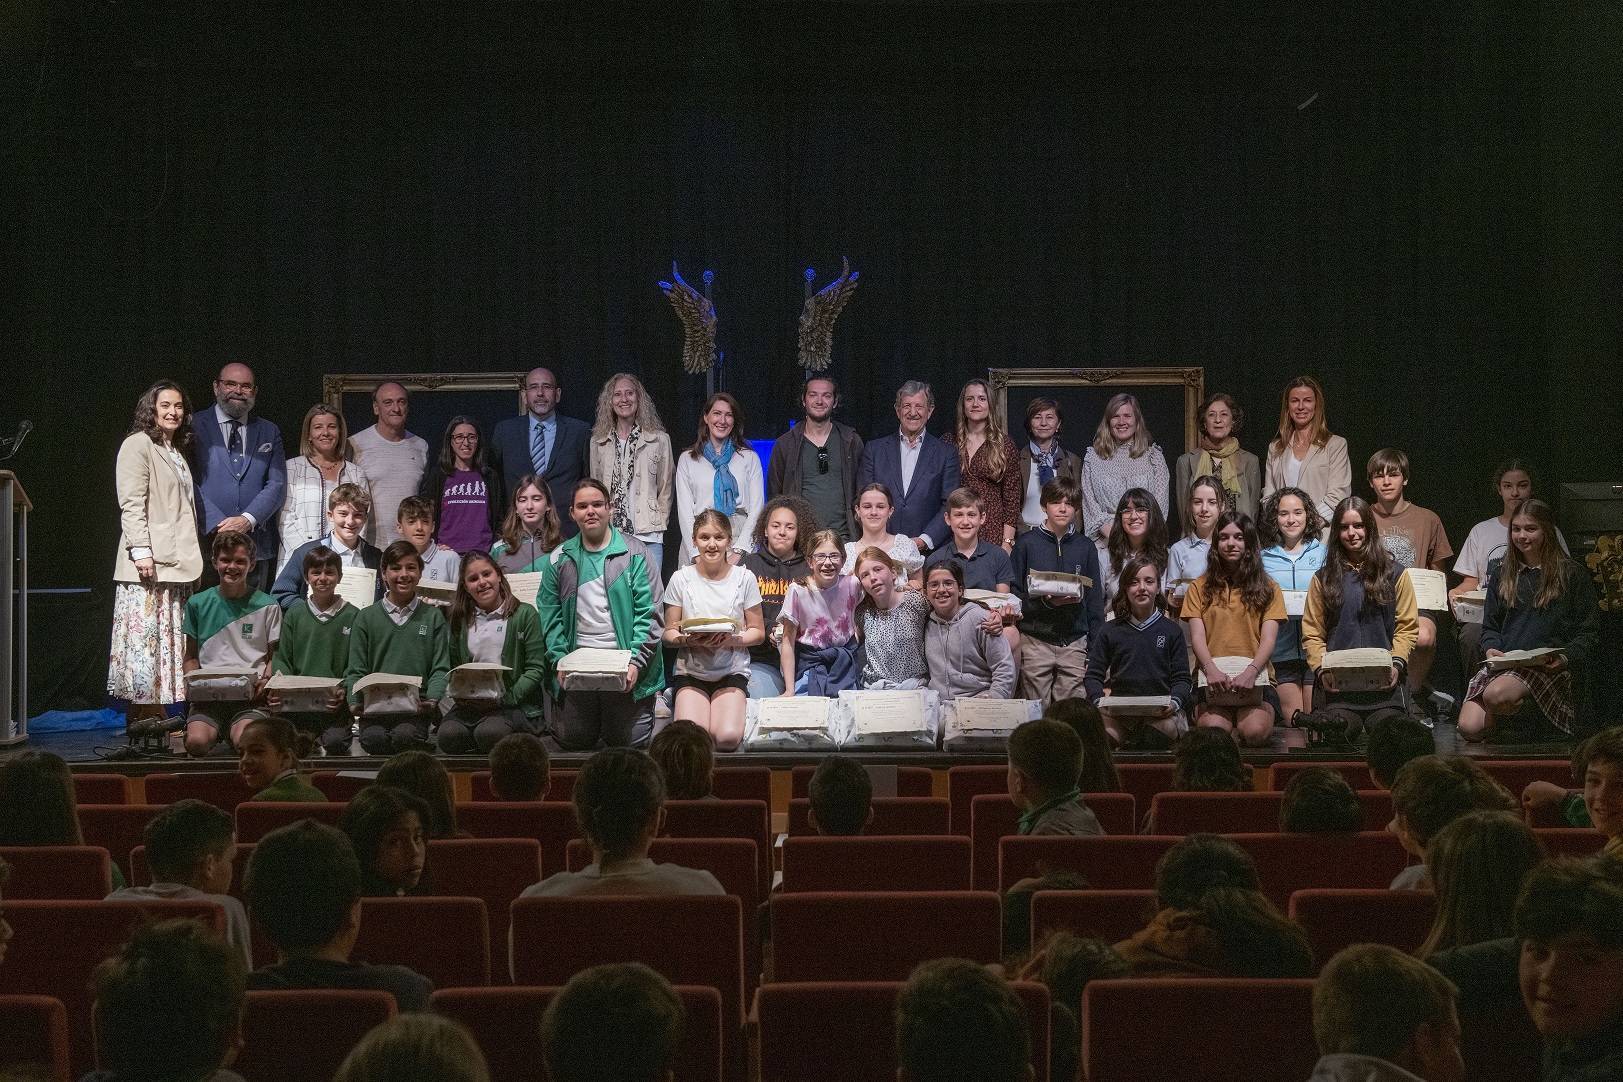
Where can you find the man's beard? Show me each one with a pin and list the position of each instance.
(236, 408)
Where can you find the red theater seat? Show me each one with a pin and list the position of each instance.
(1245, 813)
(1144, 780)
(742, 783)
(965, 783)
(548, 822)
(723, 819)
(1334, 919)
(341, 786)
(1357, 774)
(447, 940)
(847, 1030)
(1110, 915)
(993, 817)
(224, 790)
(879, 937)
(905, 780)
(57, 872)
(560, 788)
(305, 1034)
(1514, 774)
(100, 789)
(869, 863)
(1290, 862)
(506, 1023)
(1571, 841)
(1108, 862)
(57, 945)
(36, 1038)
(494, 870)
(117, 828)
(1129, 1030)
(892, 815)
(255, 819)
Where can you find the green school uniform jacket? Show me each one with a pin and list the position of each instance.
(291, 789)
(419, 647)
(632, 588)
(523, 652)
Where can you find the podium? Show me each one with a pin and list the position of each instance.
(14, 613)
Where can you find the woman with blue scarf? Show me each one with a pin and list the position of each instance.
(721, 472)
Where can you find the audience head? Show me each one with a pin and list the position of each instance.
(303, 888)
(686, 756)
(1374, 1000)
(169, 1004)
(619, 802)
(520, 768)
(424, 777)
(956, 1020)
(1598, 766)
(1208, 761)
(1254, 938)
(841, 795)
(1098, 762)
(386, 826)
(1318, 800)
(37, 806)
(1432, 791)
(268, 747)
(1045, 761)
(1069, 964)
(194, 843)
(1477, 864)
(1200, 863)
(415, 1046)
(1392, 743)
(1570, 923)
(613, 1023)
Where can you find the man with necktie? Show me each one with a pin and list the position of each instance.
(543, 442)
(241, 471)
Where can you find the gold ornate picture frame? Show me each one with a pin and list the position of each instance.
(436, 398)
(334, 388)
(1169, 397)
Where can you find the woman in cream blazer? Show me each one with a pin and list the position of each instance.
(159, 559)
(631, 453)
(1305, 455)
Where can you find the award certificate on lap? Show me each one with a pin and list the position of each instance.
(358, 586)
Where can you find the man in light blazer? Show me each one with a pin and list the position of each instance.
(241, 470)
(543, 442)
(919, 469)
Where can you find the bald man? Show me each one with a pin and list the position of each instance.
(543, 442)
(391, 459)
(241, 470)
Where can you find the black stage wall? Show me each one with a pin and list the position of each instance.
(1416, 203)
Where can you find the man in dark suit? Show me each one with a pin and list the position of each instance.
(543, 442)
(920, 470)
(241, 470)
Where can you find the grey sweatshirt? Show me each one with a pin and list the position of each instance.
(965, 662)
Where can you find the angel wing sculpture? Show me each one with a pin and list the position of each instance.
(698, 318)
(818, 315)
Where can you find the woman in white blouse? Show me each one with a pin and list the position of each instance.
(1305, 455)
(1123, 456)
(720, 471)
(631, 453)
(324, 462)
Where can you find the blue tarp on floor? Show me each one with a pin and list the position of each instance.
(75, 721)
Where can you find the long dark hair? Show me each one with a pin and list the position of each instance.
(1155, 537)
(512, 534)
(1119, 605)
(805, 523)
(1374, 568)
(737, 434)
(371, 814)
(463, 606)
(1098, 762)
(448, 456)
(146, 416)
(1554, 567)
(1247, 576)
(425, 778)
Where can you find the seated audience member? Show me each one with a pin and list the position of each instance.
(1227, 932)
(1430, 793)
(1318, 800)
(191, 847)
(1598, 764)
(1201, 763)
(347, 509)
(620, 805)
(1098, 761)
(959, 1022)
(424, 777)
(1570, 924)
(303, 888)
(1477, 864)
(488, 624)
(315, 642)
(1381, 1016)
(1199, 863)
(520, 768)
(403, 636)
(416, 521)
(964, 647)
(613, 1023)
(686, 757)
(1392, 742)
(1045, 761)
(234, 625)
(269, 749)
(841, 795)
(169, 1007)
(414, 1047)
(37, 805)
(1140, 652)
(386, 827)
(1066, 965)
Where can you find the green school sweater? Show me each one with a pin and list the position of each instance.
(313, 647)
(524, 652)
(419, 647)
(291, 789)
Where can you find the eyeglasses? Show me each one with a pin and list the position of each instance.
(827, 557)
(467, 437)
(822, 460)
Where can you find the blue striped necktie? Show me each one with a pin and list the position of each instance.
(538, 448)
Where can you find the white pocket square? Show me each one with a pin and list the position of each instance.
(264, 448)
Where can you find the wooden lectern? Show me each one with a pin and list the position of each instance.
(14, 508)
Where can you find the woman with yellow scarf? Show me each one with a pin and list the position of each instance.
(1218, 455)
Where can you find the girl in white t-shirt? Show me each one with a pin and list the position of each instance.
(712, 668)
(819, 647)
(1489, 539)
(873, 515)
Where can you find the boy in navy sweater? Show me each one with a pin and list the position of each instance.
(1054, 632)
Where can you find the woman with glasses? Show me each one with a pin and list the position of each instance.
(466, 493)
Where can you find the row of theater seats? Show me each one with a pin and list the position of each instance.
(826, 1012)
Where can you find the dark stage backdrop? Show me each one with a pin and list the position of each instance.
(1416, 203)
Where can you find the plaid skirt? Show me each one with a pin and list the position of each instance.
(1551, 691)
